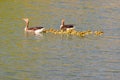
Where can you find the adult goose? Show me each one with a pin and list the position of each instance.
(35, 30)
(66, 27)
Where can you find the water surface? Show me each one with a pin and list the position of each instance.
(60, 57)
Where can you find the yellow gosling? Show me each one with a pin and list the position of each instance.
(82, 34)
(67, 31)
(98, 33)
(71, 30)
(57, 32)
(77, 33)
(90, 32)
(74, 32)
(101, 33)
(52, 30)
(86, 33)
(61, 31)
(47, 31)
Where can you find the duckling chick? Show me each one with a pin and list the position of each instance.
(45, 31)
(61, 32)
(56, 32)
(89, 32)
(68, 31)
(99, 33)
(77, 33)
(51, 29)
(73, 32)
(86, 33)
(82, 34)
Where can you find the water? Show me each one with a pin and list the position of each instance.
(60, 57)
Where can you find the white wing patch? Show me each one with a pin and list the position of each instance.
(39, 31)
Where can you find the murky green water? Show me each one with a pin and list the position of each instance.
(55, 57)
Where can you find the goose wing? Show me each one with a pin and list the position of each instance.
(35, 28)
(69, 26)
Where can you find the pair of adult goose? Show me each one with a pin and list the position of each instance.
(40, 29)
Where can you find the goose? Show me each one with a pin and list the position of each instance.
(35, 30)
(66, 27)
